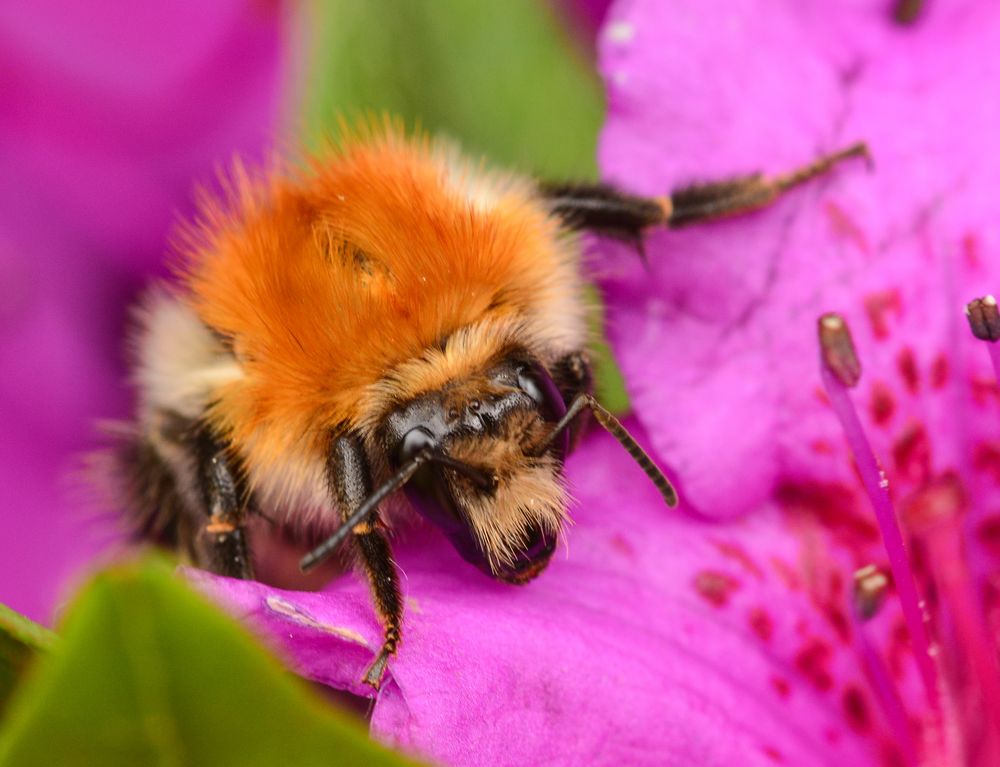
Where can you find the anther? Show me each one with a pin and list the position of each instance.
(907, 12)
(837, 349)
(984, 318)
(870, 586)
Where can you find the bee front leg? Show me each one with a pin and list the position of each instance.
(606, 210)
(221, 544)
(351, 483)
(376, 558)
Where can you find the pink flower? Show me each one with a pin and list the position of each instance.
(733, 633)
(665, 638)
(727, 632)
(107, 113)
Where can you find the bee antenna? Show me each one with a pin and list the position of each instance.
(615, 428)
(366, 509)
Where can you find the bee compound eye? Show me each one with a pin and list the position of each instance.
(528, 383)
(535, 381)
(415, 440)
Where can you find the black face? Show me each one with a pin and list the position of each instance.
(433, 421)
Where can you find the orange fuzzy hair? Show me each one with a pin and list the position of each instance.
(385, 269)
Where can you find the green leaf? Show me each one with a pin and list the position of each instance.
(20, 641)
(148, 673)
(608, 380)
(503, 78)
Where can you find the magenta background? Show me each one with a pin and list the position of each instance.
(108, 113)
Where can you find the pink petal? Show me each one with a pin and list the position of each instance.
(657, 639)
(717, 339)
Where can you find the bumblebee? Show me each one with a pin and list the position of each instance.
(385, 317)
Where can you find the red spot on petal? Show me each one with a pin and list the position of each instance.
(940, 371)
(781, 686)
(835, 584)
(883, 404)
(911, 454)
(991, 603)
(739, 555)
(622, 546)
(970, 251)
(988, 532)
(986, 458)
(879, 306)
(788, 574)
(829, 595)
(821, 447)
(831, 735)
(856, 709)
(899, 652)
(892, 756)
(833, 505)
(991, 593)
(821, 396)
(773, 754)
(715, 587)
(837, 618)
(761, 623)
(906, 363)
(984, 390)
(812, 661)
(918, 557)
(845, 226)
(938, 500)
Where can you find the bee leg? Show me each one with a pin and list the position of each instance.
(153, 509)
(221, 544)
(606, 210)
(351, 482)
(377, 560)
(573, 376)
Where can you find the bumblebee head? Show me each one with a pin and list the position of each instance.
(492, 483)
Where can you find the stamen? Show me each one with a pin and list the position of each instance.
(984, 320)
(838, 350)
(870, 587)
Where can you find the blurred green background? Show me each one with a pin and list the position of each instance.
(507, 79)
